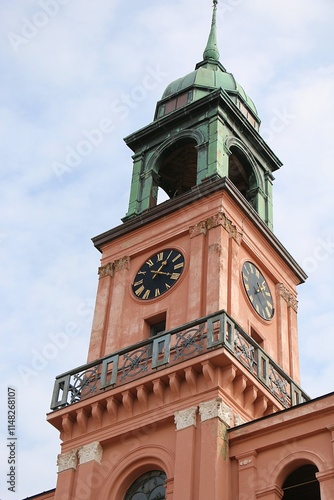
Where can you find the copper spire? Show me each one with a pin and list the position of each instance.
(211, 50)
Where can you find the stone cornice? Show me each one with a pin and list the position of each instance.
(213, 105)
(206, 189)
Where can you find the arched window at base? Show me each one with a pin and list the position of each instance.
(302, 484)
(149, 486)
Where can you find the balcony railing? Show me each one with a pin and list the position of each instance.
(170, 348)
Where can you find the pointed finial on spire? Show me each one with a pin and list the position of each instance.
(211, 50)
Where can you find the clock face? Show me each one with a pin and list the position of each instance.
(158, 274)
(258, 291)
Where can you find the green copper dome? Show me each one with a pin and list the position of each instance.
(209, 75)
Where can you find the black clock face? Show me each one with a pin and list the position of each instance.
(257, 290)
(158, 274)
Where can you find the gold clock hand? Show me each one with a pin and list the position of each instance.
(162, 265)
(160, 272)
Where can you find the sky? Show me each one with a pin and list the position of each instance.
(76, 77)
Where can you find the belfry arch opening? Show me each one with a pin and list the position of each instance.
(302, 483)
(241, 173)
(177, 168)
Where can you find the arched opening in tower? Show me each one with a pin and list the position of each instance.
(240, 172)
(178, 168)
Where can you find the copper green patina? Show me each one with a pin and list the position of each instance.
(205, 127)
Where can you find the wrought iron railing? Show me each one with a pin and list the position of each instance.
(170, 348)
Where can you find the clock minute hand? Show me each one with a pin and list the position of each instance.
(162, 265)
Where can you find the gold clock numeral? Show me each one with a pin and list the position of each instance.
(167, 286)
(251, 298)
(179, 266)
(160, 256)
(141, 272)
(175, 276)
(157, 292)
(268, 313)
(137, 283)
(139, 290)
(149, 263)
(245, 277)
(176, 258)
(146, 294)
(269, 304)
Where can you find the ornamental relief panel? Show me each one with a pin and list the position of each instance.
(107, 270)
(185, 418)
(216, 220)
(66, 461)
(112, 267)
(216, 408)
(90, 452)
(289, 298)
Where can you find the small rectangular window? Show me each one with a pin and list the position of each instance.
(157, 328)
(155, 325)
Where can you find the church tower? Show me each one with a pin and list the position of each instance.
(195, 324)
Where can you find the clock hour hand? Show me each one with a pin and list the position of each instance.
(160, 272)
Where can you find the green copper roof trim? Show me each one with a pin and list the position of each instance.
(211, 50)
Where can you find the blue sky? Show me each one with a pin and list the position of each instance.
(70, 67)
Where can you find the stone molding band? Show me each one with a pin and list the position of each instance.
(219, 219)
